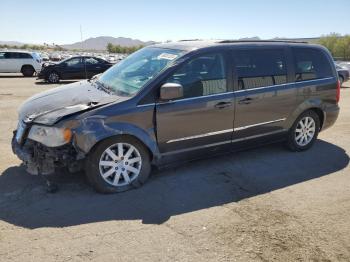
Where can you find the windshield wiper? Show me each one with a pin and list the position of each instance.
(103, 87)
(109, 90)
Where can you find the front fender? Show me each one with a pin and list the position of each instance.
(93, 130)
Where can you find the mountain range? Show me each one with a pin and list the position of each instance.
(11, 43)
(101, 42)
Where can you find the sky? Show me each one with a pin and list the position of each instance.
(43, 21)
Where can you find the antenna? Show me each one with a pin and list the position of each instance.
(82, 48)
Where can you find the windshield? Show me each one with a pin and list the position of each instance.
(132, 73)
(67, 59)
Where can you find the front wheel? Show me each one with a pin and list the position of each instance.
(53, 78)
(304, 131)
(118, 164)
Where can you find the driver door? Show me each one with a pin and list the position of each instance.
(93, 66)
(203, 117)
(74, 68)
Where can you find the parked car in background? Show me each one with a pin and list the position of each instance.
(23, 62)
(80, 67)
(45, 57)
(55, 57)
(343, 64)
(176, 102)
(111, 59)
(343, 74)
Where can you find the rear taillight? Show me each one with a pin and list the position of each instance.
(338, 92)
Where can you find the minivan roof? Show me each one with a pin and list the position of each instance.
(190, 45)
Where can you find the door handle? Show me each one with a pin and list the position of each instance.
(222, 105)
(245, 101)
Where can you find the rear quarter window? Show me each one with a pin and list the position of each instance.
(311, 64)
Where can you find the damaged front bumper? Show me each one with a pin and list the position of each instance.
(40, 159)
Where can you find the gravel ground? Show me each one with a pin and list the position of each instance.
(266, 204)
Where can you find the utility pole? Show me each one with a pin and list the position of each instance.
(82, 48)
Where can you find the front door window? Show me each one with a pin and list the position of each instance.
(204, 75)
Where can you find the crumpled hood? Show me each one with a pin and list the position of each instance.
(49, 106)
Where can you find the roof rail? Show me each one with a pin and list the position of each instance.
(261, 41)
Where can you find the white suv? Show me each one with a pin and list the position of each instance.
(23, 62)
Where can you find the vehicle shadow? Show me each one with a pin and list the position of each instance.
(198, 185)
(15, 76)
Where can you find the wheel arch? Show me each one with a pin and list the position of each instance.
(320, 114)
(86, 139)
(315, 105)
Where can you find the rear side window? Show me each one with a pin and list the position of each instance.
(10, 55)
(91, 61)
(259, 68)
(24, 56)
(310, 64)
(2, 55)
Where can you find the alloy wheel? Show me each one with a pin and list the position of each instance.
(120, 164)
(53, 78)
(305, 131)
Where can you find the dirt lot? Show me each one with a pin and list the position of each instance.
(266, 204)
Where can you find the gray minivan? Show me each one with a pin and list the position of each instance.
(178, 101)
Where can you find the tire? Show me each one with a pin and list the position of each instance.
(120, 175)
(53, 77)
(27, 71)
(297, 133)
(341, 79)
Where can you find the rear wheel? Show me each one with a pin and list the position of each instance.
(118, 164)
(304, 131)
(53, 77)
(27, 71)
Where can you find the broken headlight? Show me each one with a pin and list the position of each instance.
(50, 136)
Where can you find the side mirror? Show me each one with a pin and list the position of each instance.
(171, 91)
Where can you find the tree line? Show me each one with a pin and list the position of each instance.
(337, 44)
(32, 47)
(122, 49)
